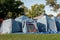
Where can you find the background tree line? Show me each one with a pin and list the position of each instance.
(37, 10)
(13, 9)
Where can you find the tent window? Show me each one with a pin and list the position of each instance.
(31, 27)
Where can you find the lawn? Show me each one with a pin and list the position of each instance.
(29, 36)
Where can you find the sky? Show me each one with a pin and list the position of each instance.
(29, 3)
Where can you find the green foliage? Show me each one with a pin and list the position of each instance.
(11, 6)
(36, 10)
(53, 3)
(2, 1)
(25, 9)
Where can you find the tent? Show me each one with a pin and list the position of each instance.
(10, 26)
(58, 23)
(46, 24)
(23, 19)
(30, 27)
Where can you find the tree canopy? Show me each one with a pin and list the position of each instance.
(11, 6)
(36, 10)
(54, 4)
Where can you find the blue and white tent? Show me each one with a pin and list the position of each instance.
(46, 24)
(22, 20)
(27, 24)
(10, 26)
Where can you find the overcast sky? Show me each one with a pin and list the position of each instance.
(29, 3)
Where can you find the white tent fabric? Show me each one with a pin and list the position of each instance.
(10, 26)
(24, 27)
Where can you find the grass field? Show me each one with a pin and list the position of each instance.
(29, 36)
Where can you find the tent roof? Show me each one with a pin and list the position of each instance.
(22, 18)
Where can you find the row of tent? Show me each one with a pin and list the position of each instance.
(24, 24)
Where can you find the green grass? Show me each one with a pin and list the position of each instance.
(29, 36)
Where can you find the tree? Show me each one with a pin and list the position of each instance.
(53, 3)
(25, 8)
(36, 10)
(2, 1)
(11, 6)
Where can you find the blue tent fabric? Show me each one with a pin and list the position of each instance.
(41, 27)
(16, 26)
(57, 23)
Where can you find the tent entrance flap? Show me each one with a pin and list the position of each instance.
(30, 27)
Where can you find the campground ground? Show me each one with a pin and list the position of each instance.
(29, 36)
